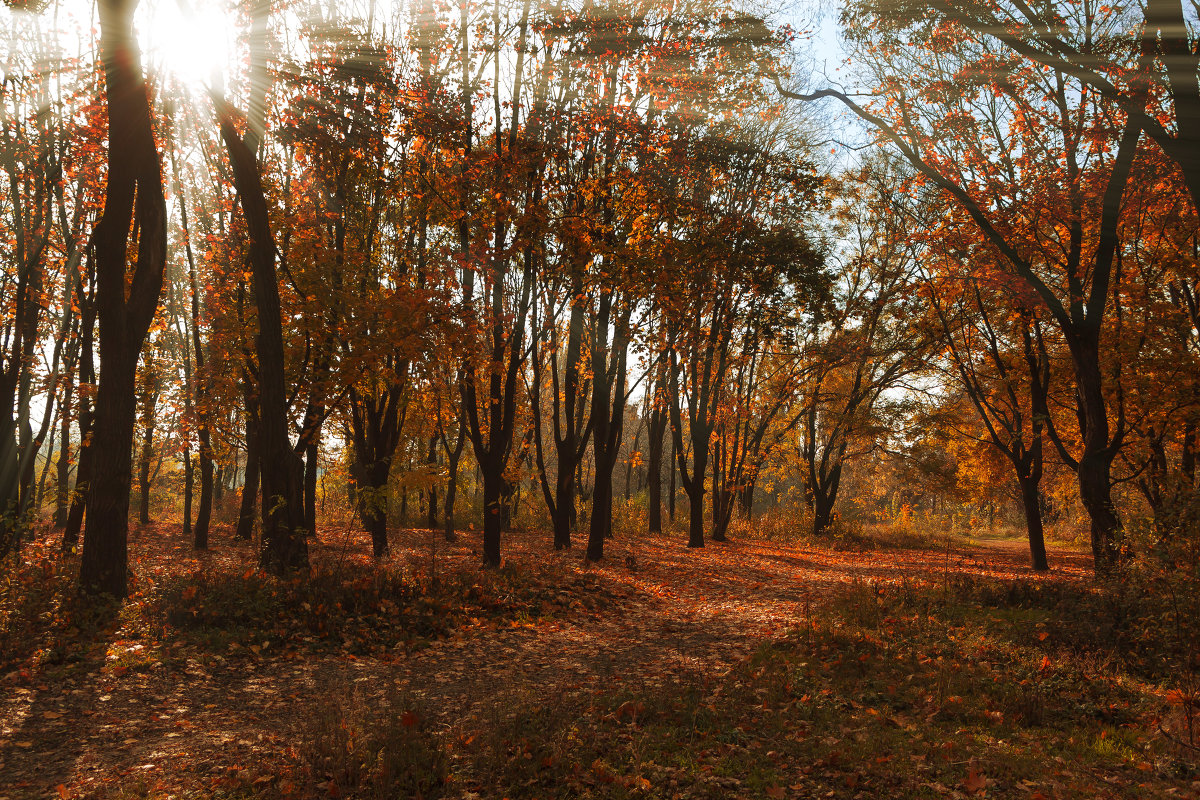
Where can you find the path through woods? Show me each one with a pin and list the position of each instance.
(656, 614)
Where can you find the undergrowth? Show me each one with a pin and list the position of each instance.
(976, 687)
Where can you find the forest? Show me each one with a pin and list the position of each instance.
(599, 398)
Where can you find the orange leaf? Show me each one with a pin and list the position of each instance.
(975, 782)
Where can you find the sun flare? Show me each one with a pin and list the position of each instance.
(190, 41)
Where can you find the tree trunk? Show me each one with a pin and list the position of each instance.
(62, 492)
(822, 513)
(219, 484)
(453, 458)
(134, 193)
(245, 526)
(722, 498)
(149, 400)
(284, 548)
(312, 464)
(564, 504)
(187, 491)
(1095, 490)
(671, 495)
(372, 497)
(696, 513)
(654, 459)
(74, 520)
(433, 503)
(601, 520)
(493, 517)
(824, 497)
(571, 443)
(204, 512)
(74, 524)
(1031, 503)
(1095, 462)
(608, 406)
(451, 496)
(105, 546)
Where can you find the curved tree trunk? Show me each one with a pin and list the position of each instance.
(284, 546)
(134, 193)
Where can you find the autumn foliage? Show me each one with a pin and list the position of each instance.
(407, 324)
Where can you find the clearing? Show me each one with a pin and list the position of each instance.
(745, 669)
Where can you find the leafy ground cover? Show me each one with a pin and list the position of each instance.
(750, 669)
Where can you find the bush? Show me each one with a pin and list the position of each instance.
(37, 598)
(363, 747)
(362, 608)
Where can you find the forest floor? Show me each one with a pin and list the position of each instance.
(747, 669)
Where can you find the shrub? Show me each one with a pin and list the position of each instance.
(367, 747)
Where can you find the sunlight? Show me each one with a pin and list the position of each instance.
(190, 41)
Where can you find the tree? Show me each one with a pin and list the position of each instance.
(1149, 68)
(1014, 145)
(125, 302)
(284, 546)
(996, 353)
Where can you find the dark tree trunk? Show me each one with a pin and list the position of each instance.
(453, 457)
(245, 526)
(284, 547)
(658, 429)
(74, 524)
(571, 443)
(602, 391)
(722, 497)
(601, 518)
(822, 513)
(1094, 469)
(564, 504)
(376, 425)
(608, 407)
(433, 501)
(451, 496)
(219, 484)
(74, 520)
(1031, 503)
(493, 516)
(149, 401)
(696, 514)
(824, 498)
(372, 496)
(187, 491)
(62, 493)
(134, 193)
(204, 512)
(672, 488)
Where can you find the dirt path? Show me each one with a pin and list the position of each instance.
(664, 613)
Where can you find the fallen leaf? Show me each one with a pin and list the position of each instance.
(975, 781)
